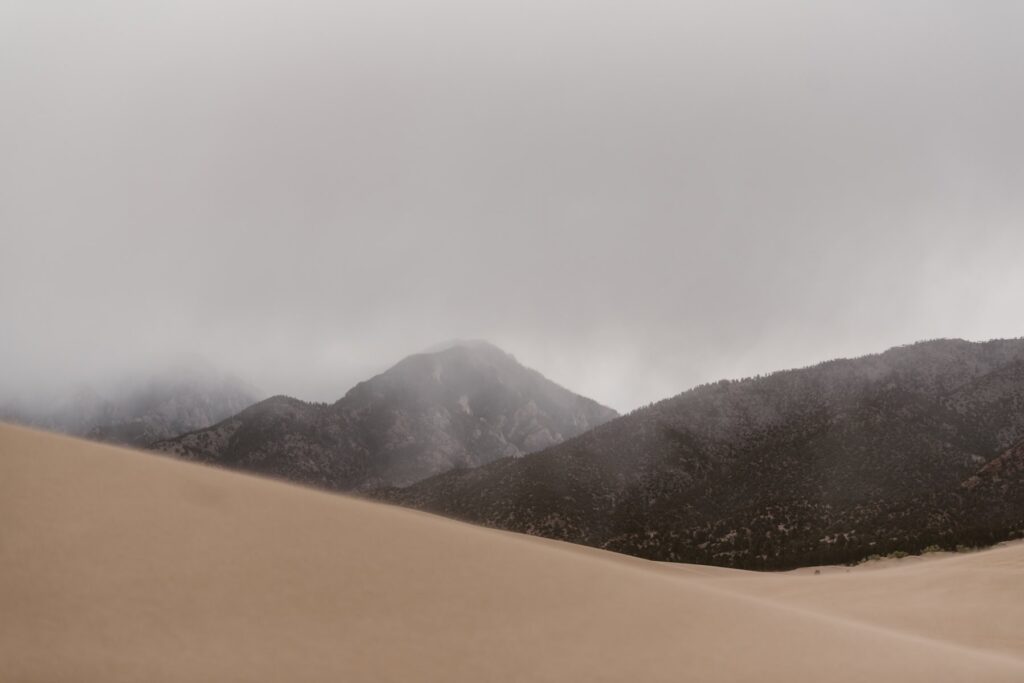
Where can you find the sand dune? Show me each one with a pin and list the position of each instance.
(116, 565)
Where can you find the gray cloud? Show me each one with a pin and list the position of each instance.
(631, 197)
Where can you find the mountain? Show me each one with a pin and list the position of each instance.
(463, 406)
(913, 447)
(137, 410)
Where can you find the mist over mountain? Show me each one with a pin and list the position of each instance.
(462, 406)
(917, 446)
(139, 408)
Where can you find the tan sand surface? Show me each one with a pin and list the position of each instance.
(122, 566)
(974, 599)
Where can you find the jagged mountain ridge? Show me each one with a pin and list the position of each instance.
(463, 406)
(823, 464)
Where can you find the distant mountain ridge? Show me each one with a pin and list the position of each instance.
(141, 409)
(916, 446)
(461, 406)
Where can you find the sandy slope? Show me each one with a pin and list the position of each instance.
(974, 599)
(116, 565)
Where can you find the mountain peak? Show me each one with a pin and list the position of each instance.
(478, 349)
(825, 464)
(471, 344)
(466, 403)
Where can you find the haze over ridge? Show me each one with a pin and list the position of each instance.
(634, 200)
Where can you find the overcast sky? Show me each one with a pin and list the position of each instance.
(631, 197)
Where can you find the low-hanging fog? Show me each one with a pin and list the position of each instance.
(631, 197)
